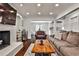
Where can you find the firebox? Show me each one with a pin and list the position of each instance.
(4, 39)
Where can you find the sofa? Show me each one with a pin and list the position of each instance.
(68, 45)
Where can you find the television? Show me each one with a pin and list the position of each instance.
(7, 14)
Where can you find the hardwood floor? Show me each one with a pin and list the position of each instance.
(24, 49)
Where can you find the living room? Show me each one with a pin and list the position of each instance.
(22, 24)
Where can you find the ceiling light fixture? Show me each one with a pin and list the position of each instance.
(11, 11)
(17, 14)
(56, 5)
(27, 13)
(21, 5)
(39, 13)
(38, 5)
(51, 13)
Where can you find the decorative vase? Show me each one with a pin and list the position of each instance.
(41, 42)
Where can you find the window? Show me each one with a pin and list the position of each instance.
(38, 27)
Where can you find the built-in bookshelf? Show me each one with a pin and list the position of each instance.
(59, 25)
(52, 28)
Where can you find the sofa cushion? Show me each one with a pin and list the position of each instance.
(73, 38)
(70, 51)
(60, 43)
(58, 36)
(64, 35)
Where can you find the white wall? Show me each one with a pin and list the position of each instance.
(19, 23)
(29, 27)
(19, 26)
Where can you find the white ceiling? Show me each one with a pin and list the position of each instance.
(45, 8)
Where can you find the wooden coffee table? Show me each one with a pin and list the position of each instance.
(45, 49)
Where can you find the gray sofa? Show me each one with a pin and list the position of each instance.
(68, 45)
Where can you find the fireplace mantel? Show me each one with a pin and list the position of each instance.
(12, 49)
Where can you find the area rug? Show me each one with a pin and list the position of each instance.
(29, 53)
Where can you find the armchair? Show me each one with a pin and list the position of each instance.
(40, 35)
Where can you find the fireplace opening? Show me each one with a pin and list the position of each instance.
(4, 39)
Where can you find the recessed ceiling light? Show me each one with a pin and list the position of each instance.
(21, 5)
(56, 5)
(17, 14)
(11, 11)
(39, 5)
(51, 13)
(1, 10)
(39, 13)
(27, 13)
